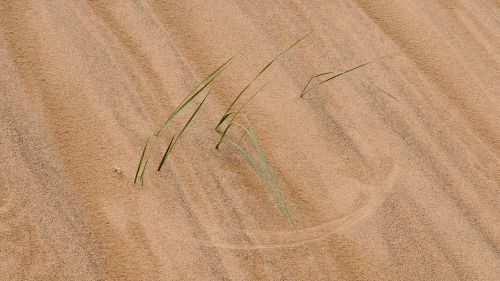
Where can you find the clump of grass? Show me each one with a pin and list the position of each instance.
(265, 173)
(193, 93)
(227, 113)
(255, 155)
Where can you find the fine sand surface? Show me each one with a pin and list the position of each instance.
(381, 188)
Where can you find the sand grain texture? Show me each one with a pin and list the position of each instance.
(382, 189)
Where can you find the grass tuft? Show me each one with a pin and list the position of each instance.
(265, 173)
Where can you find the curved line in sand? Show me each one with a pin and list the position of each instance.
(264, 240)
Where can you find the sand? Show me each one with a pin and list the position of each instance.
(381, 188)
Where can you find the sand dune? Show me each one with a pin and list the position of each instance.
(380, 188)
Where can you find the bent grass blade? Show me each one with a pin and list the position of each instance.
(235, 114)
(313, 75)
(257, 76)
(265, 173)
(335, 76)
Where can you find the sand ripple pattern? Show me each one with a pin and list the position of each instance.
(385, 189)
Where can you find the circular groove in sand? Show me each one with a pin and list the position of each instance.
(373, 197)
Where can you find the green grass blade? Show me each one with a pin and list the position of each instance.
(315, 70)
(235, 114)
(323, 74)
(266, 174)
(223, 135)
(337, 75)
(344, 72)
(194, 92)
(249, 158)
(174, 141)
(143, 170)
(166, 153)
(248, 101)
(356, 77)
(257, 76)
(385, 92)
(259, 172)
(289, 187)
(265, 163)
(192, 116)
(140, 160)
(224, 117)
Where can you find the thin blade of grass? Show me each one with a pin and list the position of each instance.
(374, 86)
(224, 118)
(267, 167)
(315, 70)
(247, 102)
(337, 75)
(174, 141)
(299, 210)
(166, 154)
(352, 75)
(257, 76)
(235, 114)
(223, 135)
(194, 92)
(192, 116)
(344, 72)
(140, 160)
(323, 74)
(259, 172)
(143, 170)
(267, 176)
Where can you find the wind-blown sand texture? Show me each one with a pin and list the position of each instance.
(382, 189)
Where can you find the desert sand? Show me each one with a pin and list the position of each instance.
(381, 188)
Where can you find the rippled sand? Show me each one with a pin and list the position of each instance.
(381, 188)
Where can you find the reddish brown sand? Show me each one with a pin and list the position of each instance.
(382, 189)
